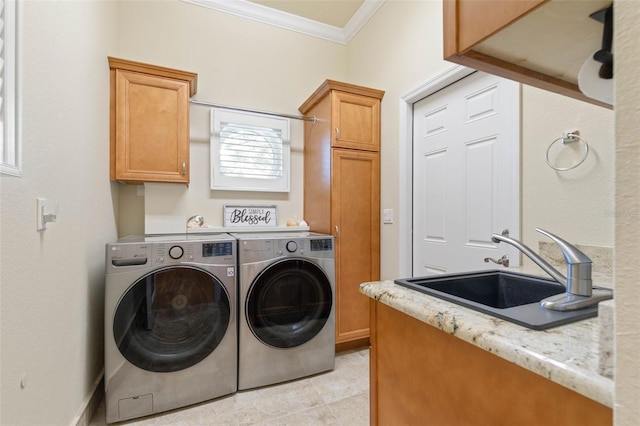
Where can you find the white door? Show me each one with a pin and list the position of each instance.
(466, 175)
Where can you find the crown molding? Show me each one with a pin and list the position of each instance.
(267, 15)
(360, 18)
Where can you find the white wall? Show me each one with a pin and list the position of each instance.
(240, 63)
(52, 282)
(576, 204)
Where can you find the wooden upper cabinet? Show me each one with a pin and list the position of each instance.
(354, 114)
(149, 122)
(541, 43)
(469, 22)
(356, 121)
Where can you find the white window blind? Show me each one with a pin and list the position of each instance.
(10, 152)
(249, 152)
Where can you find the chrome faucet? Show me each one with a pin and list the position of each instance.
(579, 286)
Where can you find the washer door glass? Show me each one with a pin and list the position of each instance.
(171, 319)
(289, 303)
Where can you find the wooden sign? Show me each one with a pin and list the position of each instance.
(250, 216)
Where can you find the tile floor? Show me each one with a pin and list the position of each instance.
(338, 397)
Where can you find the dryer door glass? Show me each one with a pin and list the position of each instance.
(289, 303)
(171, 319)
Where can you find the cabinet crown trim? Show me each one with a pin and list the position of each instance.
(330, 85)
(127, 65)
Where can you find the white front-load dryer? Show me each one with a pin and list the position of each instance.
(170, 322)
(286, 326)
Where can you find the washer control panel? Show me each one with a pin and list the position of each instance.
(167, 253)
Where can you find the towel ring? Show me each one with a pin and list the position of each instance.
(566, 138)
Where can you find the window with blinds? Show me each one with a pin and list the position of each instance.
(10, 152)
(249, 152)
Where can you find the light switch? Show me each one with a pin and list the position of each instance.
(387, 216)
(42, 216)
(41, 205)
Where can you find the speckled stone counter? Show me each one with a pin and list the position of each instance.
(567, 355)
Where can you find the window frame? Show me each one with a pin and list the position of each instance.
(228, 183)
(11, 144)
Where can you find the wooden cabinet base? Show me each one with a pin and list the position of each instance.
(423, 376)
(353, 344)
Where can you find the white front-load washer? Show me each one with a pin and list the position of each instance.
(286, 325)
(170, 322)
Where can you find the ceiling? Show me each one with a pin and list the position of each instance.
(334, 20)
(330, 12)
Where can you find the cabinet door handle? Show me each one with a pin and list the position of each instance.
(337, 233)
(337, 133)
(184, 169)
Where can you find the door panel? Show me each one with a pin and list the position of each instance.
(356, 218)
(466, 175)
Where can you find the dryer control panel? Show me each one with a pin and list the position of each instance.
(322, 244)
(252, 249)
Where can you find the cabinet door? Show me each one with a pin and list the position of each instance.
(152, 128)
(355, 212)
(356, 121)
(419, 372)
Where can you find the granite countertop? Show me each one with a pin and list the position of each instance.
(567, 355)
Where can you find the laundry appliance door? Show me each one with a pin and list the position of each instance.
(171, 319)
(289, 303)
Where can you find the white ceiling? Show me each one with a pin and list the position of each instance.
(334, 20)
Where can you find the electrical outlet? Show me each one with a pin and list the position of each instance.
(41, 206)
(387, 216)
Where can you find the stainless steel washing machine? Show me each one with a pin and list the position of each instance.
(170, 322)
(286, 325)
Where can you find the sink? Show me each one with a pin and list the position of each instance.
(511, 296)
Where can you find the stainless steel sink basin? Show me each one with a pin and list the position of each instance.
(512, 296)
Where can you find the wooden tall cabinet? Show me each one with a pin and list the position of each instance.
(342, 194)
(149, 122)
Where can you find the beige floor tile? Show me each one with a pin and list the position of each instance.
(349, 378)
(321, 415)
(353, 411)
(338, 397)
(270, 403)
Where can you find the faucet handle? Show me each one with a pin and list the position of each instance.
(505, 233)
(571, 253)
(504, 260)
(578, 266)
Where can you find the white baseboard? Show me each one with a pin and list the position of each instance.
(91, 403)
